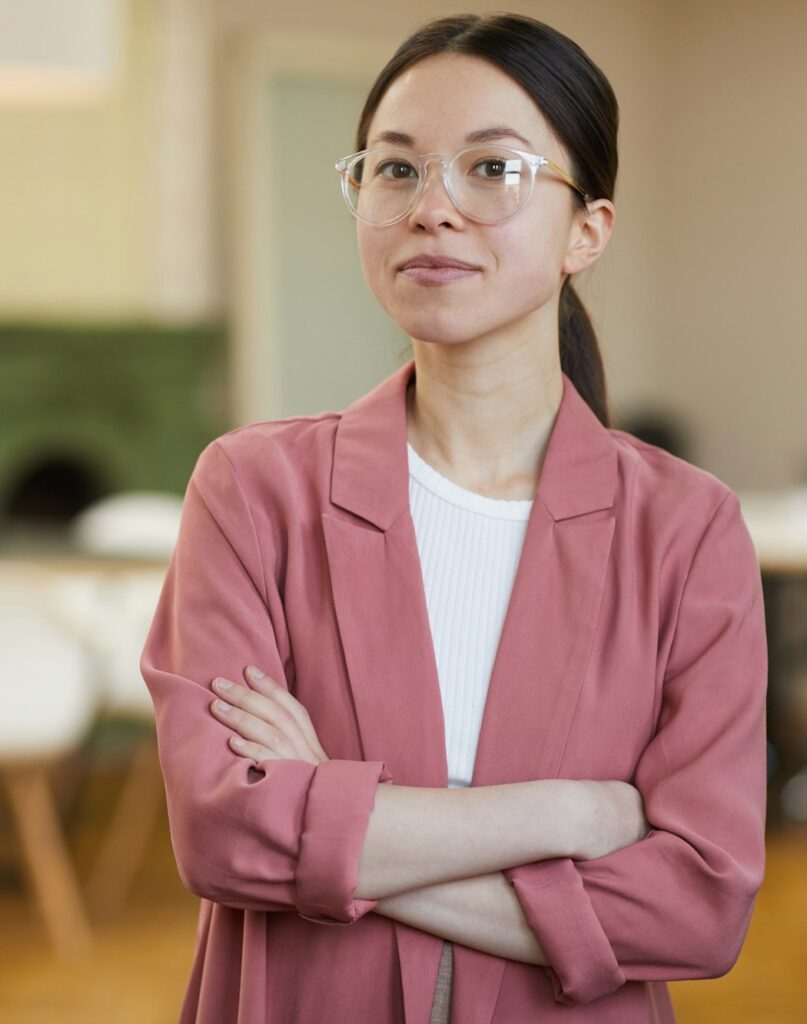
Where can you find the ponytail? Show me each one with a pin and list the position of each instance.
(580, 357)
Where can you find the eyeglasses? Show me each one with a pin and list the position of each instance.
(488, 184)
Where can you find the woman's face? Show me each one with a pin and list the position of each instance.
(522, 261)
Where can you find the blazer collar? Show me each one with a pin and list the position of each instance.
(371, 470)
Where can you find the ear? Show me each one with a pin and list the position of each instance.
(589, 235)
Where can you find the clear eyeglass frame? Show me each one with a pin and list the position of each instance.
(535, 162)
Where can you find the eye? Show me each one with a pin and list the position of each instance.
(399, 169)
(495, 167)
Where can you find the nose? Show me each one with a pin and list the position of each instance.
(434, 205)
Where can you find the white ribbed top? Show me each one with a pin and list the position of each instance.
(469, 548)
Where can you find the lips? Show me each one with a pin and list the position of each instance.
(437, 263)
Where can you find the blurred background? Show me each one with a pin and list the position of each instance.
(168, 207)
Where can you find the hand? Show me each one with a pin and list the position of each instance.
(268, 721)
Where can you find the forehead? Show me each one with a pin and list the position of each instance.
(442, 98)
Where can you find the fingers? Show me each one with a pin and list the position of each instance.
(271, 722)
(259, 719)
(254, 751)
(280, 695)
(254, 731)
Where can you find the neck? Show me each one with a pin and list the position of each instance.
(484, 422)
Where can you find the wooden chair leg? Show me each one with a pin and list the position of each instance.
(48, 861)
(126, 841)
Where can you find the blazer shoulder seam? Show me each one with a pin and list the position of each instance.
(281, 422)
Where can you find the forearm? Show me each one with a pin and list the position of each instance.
(421, 836)
(482, 912)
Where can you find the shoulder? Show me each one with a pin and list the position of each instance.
(269, 446)
(280, 466)
(292, 434)
(670, 504)
(682, 522)
(657, 477)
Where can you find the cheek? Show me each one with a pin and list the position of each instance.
(534, 251)
(526, 268)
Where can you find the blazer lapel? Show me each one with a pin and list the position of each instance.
(383, 622)
(378, 590)
(554, 604)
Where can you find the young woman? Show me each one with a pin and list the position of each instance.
(507, 728)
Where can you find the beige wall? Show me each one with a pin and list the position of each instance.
(108, 206)
(696, 300)
(72, 215)
(732, 334)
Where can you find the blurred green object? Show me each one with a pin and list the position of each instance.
(106, 408)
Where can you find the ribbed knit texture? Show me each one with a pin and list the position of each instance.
(469, 549)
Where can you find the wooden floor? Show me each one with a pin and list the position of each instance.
(138, 971)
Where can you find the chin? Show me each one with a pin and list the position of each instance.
(446, 326)
(440, 335)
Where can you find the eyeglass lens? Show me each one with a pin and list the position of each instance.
(487, 184)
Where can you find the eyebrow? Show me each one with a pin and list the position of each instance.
(483, 135)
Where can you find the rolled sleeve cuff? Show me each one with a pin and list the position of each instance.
(582, 965)
(337, 812)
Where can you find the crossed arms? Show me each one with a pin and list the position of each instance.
(333, 839)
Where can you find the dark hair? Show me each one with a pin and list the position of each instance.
(579, 105)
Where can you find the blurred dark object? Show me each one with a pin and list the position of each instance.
(785, 598)
(658, 428)
(87, 411)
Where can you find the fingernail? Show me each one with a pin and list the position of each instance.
(221, 706)
(222, 684)
(255, 672)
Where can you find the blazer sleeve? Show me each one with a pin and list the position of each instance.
(282, 835)
(677, 904)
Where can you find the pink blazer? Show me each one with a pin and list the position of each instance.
(633, 648)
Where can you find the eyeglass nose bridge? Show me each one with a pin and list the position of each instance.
(445, 175)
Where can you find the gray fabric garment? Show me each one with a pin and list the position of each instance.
(441, 1006)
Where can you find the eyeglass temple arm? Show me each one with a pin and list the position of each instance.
(567, 178)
